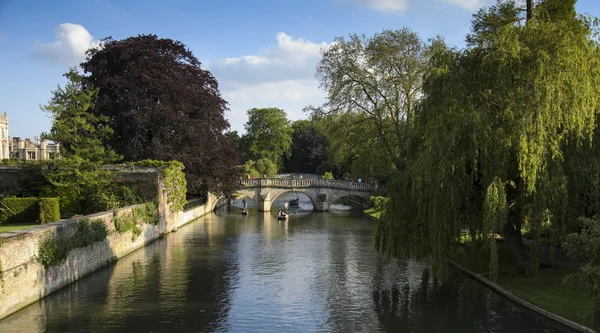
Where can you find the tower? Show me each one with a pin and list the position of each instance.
(4, 153)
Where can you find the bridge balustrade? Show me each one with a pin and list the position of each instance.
(303, 183)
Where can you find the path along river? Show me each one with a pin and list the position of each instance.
(317, 272)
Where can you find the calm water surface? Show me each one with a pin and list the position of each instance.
(317, 272)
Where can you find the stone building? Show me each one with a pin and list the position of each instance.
(4, 138)
(24, 149)
(29, 150)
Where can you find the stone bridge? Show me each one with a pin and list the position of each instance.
(322, 192)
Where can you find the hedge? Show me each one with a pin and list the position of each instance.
(29, 210)
(49, 210)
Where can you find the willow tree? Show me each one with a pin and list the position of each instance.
(378, 78)
(495, 121)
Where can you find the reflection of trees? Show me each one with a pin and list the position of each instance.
(456, 305)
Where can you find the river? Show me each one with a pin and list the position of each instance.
(225, 272)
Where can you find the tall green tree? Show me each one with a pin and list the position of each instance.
(492, 135)
(309, 147)
(378, 78)
(77, 177)
(268, 135)
(163, 105)
(75, 127)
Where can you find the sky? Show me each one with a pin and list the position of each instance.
(263, 53)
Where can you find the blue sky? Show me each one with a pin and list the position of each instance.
(262, 52)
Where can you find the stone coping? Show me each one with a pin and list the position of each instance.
(507, 294)
(54, 225)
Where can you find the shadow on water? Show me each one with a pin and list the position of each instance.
(316, 272)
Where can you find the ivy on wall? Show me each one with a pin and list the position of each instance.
(173, 180)
(53, 250)
(146, 213)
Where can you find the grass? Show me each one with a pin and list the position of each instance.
(372, 212)
(550, 289)
(15, 226)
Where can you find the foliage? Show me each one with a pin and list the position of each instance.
(353, 150)
(162, 105)
(75, 127)
(81, 186)
(491, 136)
(328, 175)
(268, 135)
(19, 210)
(125, 221)
(309, 147)
(378, 80)
(250, 169)
(29, 210)
(586, 247)
(265, 166)
(53, 250)
(173, 179)
(379, 203)
(77, 178)
(49, 210)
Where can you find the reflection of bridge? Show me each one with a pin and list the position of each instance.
(322, 192)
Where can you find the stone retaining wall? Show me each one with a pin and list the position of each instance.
(23, 280)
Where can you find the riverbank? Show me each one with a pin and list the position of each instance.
(24, 278)
(556, 289)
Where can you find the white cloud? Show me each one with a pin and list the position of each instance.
(471, 5)
(384, 6)
(280, 76)
(72, 40)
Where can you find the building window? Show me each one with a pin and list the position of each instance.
(31, 155)
(51, 156)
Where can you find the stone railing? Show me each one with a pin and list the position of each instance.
(308, 183)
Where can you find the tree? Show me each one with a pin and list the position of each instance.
(379, 78)
(496, 121)
(266, 167)
(584, 246)
(78, 131)
(268, 135)
(77, 178)
(353, 150)
(309, 147)
(162, 105)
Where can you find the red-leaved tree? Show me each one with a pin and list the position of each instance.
(162, 105)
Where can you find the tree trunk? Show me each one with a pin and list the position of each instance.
(513, 240)
(511, 232)
(529, 9)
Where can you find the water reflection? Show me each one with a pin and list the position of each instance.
(315, 272)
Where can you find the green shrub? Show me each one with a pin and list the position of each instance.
(19, 210)
(125, 222)
(146, 213)
(49, 210)
(379, 203)
(328, 175)
(54, 250)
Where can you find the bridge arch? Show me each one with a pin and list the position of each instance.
(311, 194)
(366, 201)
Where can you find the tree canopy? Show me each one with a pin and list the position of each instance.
(268, 135)
(163, 105)
(378, 78)
(496, 122)
(309, 147)
(77, 177)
